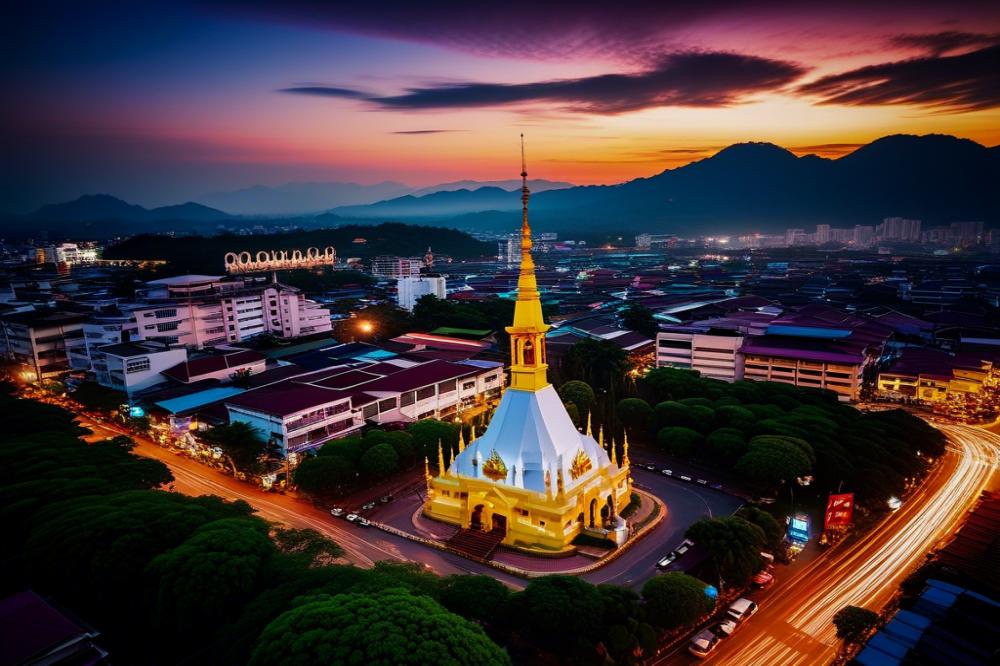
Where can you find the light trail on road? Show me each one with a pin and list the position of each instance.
(795, 624)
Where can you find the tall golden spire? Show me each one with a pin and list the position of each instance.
(527, 334)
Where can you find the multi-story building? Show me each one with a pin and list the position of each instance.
(822, 234)
(715, 353)
(306, 411)
(45, 342)
(899, 228)
(107, 328)
(132, 367)
(396, 267)
(410, 289)
(203, 311)
(509, 251)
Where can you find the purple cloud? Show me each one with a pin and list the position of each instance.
(939, 43)
(966, 82)
(700, 79)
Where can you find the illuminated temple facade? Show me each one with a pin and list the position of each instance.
(532, 475)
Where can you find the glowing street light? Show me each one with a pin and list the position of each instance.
(365, 327)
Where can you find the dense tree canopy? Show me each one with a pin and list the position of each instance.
(427, 433)
(384, 628)
(854, 623)
(242, 444)
(733, 545)
(673, 599)
(324, 475)
(578, 393)
(379, 461)
(475, 597)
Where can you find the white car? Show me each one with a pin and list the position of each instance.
(703, 644)
(337, 512)
(741, 609)
(667, 472)
(353, 517)
(686, 478)
(725, 628)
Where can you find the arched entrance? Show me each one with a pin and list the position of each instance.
(593, 511)
(499, 523)
(476, 522)
(580, 519)
(611, 508)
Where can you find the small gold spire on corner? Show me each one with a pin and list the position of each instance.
(600, 436)
(590, 432)
(625, 462)
(441, 468)
(451, 460)
(614, 457)
(472, 434)
(427, 473)
(461, 440)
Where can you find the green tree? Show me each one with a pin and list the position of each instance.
(209, 576)
(350, 448)
(242, 444)
(99, 398)
(306, 544)
(386, 628)
(634, 414)
(640, 319)
(675, 599)
(324, 475)
(733, 545)
(474, 597)
(772, 460)
(599, 363)
(726, 446)
(854, 623)
(670, 413)
(681, 442)
(400, 440)
(774, 533)
(550, 604)
(427, 433)
(379, 461)
(580, 394)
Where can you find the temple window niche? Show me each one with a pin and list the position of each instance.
(529, 353)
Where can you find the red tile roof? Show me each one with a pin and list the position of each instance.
(198, 367)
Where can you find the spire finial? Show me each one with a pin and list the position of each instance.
(625, 460)
(590, 432)
(441, 467)
(614, 456)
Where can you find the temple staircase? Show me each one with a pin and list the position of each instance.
(476, 543)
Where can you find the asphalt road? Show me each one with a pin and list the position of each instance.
(794, 626)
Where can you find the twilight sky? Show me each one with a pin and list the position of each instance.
(161, 102)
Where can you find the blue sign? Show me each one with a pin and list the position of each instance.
(798, 528)
(711, 592)
(136, 412)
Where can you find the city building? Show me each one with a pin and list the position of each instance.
(132, 367)
(899, 228)
(410, 289)
(203, 311)
(715, 353)
(305, 411)
(531, 480)
(224, 366)
(396, 267)
(45, 342)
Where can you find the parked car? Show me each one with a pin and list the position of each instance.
(725, 628)
(385, 499)
(363, 522)
(685, 478)
(337, 512)
(667, 472)
(353, 517)
(762, 579)
(716, 486)
(704, 644)
(369, 506)
(741, 609)
(667, 560)
(702, 482)
(651, 467)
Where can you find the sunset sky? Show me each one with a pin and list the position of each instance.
(159, 103)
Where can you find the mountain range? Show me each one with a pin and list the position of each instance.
(747, 186)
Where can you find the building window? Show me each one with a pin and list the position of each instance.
(468, 386)
(168, 326)
(675, 344)
(137, 365)
(370, 411)
(425, 393)
(163, 314)
(407, 398)
(387, 404)
(447, 387)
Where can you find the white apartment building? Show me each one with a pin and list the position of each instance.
(396, 267)
(134, 366)
(69, 253)
(306, 411)
(202, 311)
(715, 355)
(410, 289)
(45, 342)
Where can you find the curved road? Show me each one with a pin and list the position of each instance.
(795, 624)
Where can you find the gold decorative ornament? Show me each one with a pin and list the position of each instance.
(581, 465)
(494, 467)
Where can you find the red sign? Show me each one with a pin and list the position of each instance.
(839, 510)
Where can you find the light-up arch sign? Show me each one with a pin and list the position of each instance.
(245, 262)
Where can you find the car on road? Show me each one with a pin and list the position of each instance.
(702, 482)
(650, 467)
(353, 517)
(762, 579)
(741, 609)
(369, 506)
(685, 477)
(385, 499)
(704, 644)
(337, 512)
(667, 560)
(725, 628)
(716, 486)
(667, 472)
(363, 522)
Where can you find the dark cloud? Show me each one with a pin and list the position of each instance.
(428, 131)
(702, 79)
(966, 82)
(939, 43)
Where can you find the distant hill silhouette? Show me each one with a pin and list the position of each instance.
(761, 186)
(438, 204)
(536, 185)
(98, 207)
(300, 198)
